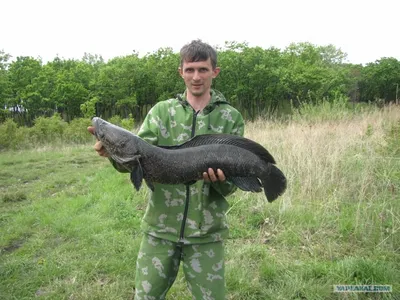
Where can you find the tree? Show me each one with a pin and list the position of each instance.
(24, 97)
(313, 73)
(379, 79)
(116, 91)
(5, 86)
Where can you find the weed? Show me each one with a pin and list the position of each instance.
(14, 197)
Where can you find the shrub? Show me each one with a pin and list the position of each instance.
(126, 123)
(76, 131)
(48, 129)
(116, 120)
(8, 134)
(336, 108)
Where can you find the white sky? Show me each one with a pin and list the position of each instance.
(365, 30)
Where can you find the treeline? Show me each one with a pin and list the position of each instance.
(257, 81)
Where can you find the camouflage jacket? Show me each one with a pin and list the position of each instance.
(188, 213)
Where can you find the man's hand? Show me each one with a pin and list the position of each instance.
(212, 177)
(98, 146)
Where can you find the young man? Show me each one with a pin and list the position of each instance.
(186, 223)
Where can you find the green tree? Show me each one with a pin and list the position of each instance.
(24, 98)
(379, 80)
(5, 85)
(163, 64)
(71, 86)
(116, 93)
(250, 78)
(313, 73)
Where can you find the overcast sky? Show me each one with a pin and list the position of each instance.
(365, 30)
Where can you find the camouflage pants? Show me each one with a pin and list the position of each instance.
(158, 264)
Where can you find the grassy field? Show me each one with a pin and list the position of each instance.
(69, 223)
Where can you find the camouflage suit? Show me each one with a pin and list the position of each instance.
(185, 222)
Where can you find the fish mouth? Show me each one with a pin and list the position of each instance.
(95, 120)
(97, 124)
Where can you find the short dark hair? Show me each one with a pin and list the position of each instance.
(197, 50)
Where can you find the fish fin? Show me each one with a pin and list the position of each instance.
(169, 147)
(226, 139)
(150, 185)
(248, 184)
(274, 184)
(137, 176)
(128, 163)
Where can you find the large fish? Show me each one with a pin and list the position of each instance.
(244, 162)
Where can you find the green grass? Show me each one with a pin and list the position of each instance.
(69, 223)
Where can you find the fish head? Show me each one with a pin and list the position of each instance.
(119, 142)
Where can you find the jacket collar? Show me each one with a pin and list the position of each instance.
(216, 99)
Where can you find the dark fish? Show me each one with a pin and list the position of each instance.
(244, 162)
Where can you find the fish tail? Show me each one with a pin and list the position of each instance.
(274, 183)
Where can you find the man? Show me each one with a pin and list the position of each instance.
(186, 222)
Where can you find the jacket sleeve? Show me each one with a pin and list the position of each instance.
(227, 188)
(148, 131)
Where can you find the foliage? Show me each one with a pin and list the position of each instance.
(380, 79)
(45, 131)
(338, 108)
(126, 123)
(5, 85)
(52, 130)
(259, 82)
(48, 129)
(76, 131)
(8, 134)
(88, 108)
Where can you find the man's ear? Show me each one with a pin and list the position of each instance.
(180, 71)
(216, 71)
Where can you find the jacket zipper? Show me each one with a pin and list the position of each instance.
(185, 212)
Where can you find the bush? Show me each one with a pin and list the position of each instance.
(126, 123)
(337, 108)
(76, 131)
(51, 130)
(8, 135)
(116, 120)
(4, 115)
(48, 129)
(24, 138)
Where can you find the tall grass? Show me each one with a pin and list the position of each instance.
(339, 221)
(337, 108)
(69, 223)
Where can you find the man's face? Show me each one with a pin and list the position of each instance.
(198, 76)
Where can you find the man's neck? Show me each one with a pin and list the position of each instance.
(198, 103)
